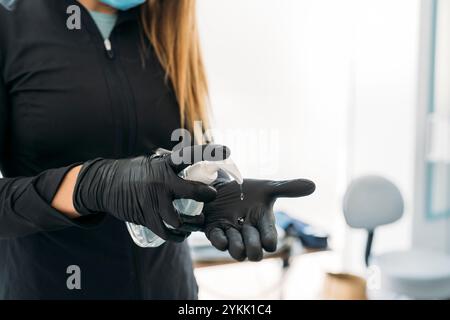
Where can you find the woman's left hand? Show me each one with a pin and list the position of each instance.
(246, 225)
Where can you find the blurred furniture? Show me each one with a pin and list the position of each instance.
(208, 256)
(204, 255)
(373, 201)
(343, 286)
(310, 236)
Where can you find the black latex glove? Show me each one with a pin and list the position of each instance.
(141, 190)
(246, 227)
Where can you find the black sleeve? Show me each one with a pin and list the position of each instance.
(25, 202)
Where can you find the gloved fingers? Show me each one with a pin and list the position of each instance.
(291, 189)
(168, 213)
(236, 245)
(192, 223)
(268, 231)
(184, 189)
(194, 220)
(252, 243)
(165, 233)
(181, 159)
(175, 235)
(218, 239)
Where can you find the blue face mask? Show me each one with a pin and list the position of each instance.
(123, 5)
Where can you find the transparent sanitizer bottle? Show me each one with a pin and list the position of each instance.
(205, 172)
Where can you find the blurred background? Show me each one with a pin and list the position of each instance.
(334, 91)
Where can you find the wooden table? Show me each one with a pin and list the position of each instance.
(284, 253)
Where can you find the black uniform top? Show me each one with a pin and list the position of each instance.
(63, 100)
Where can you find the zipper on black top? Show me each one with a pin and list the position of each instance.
(120, 91)
(126, 97)
(109, 49)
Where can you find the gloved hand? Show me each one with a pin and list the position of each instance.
(141, 190)
(247, 226)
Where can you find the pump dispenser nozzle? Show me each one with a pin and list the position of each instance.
(207, 171)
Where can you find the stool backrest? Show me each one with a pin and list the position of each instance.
(372, 201)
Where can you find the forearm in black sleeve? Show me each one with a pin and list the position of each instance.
(25, 205)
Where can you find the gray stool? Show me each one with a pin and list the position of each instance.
(374, 201)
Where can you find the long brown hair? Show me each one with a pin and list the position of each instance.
(171, 27)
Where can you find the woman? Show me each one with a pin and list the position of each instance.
(115, 87)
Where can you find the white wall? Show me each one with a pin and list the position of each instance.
(387, 36)
(291, 73)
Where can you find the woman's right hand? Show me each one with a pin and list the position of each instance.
(141, 190)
